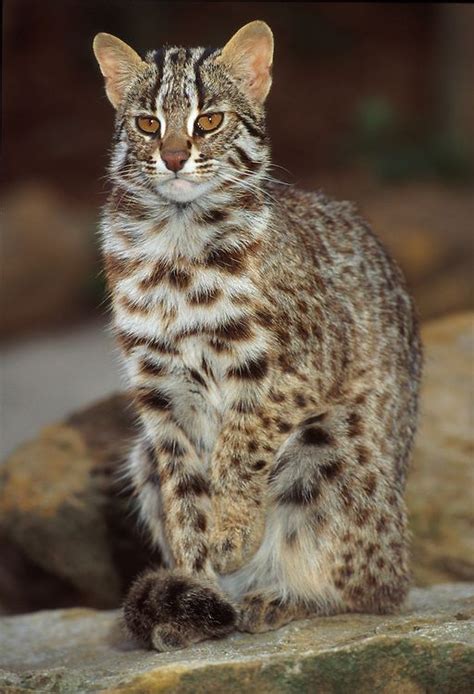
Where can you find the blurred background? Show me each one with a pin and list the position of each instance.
(372, 102)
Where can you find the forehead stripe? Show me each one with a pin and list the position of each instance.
(207, 52)
(159, 58)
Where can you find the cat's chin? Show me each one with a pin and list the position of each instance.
(180, 190)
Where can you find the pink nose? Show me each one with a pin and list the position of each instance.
(174, 159)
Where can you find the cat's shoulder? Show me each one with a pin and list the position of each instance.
(307, 208)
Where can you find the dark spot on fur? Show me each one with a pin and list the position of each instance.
(200, 560)
(300, 400)
(316, 436)
(299, 494)
(204, 297)
(235, 329)
(277, 397)
(259, 464)
(363, 455)
(214, 216)
(172, 447)
(192, 485)
(283, 426)
(158, 272)
(331, 470)
(313, 419)
(154, 399)
(252, 446)
(231, 260)
(354, 423)
(150, 367)
(263, 317)
(179, 278)
(197, 377)
(251, 369)
(369, 483)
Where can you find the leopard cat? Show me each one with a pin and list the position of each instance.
(272, 351)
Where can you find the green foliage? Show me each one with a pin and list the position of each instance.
(396, 150)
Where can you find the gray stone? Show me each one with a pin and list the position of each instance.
(428, 647)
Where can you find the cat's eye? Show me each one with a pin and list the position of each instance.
(148, 124)
(208, 122)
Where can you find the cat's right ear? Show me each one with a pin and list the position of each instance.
(118, 63)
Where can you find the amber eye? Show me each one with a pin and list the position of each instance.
(208, 122)
(148, 125)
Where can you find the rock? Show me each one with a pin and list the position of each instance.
(63, 511)
(428, 647)
(48, 260)
(439, 492)
(61, 507)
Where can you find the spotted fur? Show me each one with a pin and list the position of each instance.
(272, 350)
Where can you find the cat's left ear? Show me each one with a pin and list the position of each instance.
(249, 56)
(118, 63)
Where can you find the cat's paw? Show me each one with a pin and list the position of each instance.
(230, 549)
(259, 612)
(170, 610)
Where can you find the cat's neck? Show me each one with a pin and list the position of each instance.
(141, 223)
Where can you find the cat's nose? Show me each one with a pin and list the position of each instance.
(174, 159)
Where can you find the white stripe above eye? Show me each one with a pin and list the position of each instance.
(193, 114)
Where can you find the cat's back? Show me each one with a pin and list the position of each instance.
(330, 240)
(326, 260)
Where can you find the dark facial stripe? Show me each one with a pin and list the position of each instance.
(207, 52)
(247, 161)
(159, 58)
(252, 129)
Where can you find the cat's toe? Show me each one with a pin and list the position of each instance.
(170, 610)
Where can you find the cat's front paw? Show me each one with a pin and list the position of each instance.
(232, 548)
(171, 610)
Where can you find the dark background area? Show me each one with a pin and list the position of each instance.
(372, 102)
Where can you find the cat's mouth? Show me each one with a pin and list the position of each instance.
(180, 189)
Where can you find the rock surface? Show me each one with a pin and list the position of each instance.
(428, 647)
(439, 491)
(65, 516)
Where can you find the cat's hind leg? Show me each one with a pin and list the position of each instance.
(335, 533)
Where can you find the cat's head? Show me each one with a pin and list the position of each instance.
(189, 120)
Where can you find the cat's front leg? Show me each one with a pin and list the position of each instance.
(172, 608)
(240, 465)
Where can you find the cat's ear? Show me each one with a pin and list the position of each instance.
(249, 56)
(118, 63)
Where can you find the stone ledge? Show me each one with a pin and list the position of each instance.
(429, 646)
